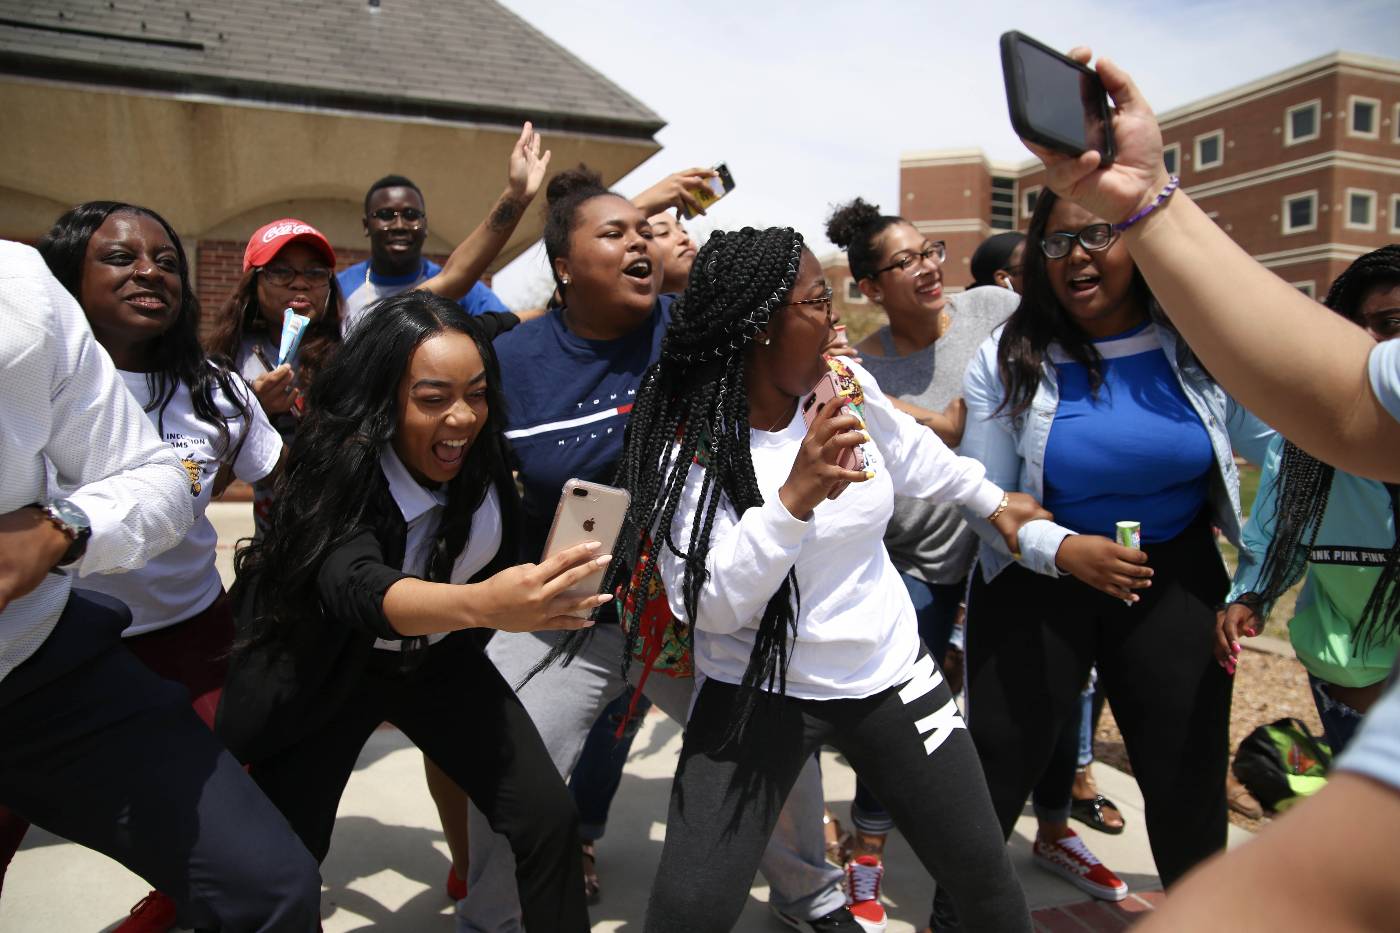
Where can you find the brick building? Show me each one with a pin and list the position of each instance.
(1301, 168)
(223, 116)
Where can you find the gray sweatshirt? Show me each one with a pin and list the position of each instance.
(926, 541)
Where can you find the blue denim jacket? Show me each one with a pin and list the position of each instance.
(1013, 449)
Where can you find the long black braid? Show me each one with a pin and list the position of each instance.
(693, 407)
(1304, 482)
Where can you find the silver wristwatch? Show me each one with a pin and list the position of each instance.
(68, 518)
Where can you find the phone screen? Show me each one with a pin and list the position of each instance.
(1061, 101)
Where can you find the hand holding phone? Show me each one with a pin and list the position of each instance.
(714, 187)
(587, 512)
(833, 432)
(1137, 174)
(828, 390)
(1055, 101)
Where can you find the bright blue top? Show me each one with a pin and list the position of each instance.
(1134, 450)
(363, 287)
(567, 402)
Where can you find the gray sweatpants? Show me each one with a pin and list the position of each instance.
(564, 702)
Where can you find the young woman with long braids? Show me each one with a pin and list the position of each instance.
(570, 378)
(352, 612)
(1339, 530)
(1089, 400)
(773, 554)
(128, 270)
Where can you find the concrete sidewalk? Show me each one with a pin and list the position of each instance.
(388, 859)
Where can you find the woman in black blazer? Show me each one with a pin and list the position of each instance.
(389, 557)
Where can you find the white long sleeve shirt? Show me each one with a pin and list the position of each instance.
(856, 630)
(61, 401)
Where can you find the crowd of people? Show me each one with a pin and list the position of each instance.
(941, 533)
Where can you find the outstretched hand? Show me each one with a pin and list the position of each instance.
(1137, 174)
(527, 165)
(675, 191)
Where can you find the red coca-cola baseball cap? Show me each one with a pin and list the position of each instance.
(269, 240)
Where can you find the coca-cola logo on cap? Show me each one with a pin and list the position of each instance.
(290, 228)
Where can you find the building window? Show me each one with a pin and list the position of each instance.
(1029, 198)
(1300, 212)
(1003, 212)
(1308, 288)
(1395, 213)
(1365, 117)
(1171, 157)
(1302, 123)
(1395, 124)
(1210, 150)
(853, 292)
(1361, 209)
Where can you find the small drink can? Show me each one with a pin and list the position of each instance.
(1130, 535)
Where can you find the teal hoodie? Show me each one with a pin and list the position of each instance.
(1342, 567)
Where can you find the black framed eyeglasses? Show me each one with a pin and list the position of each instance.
(1093, 238)
(411, 215)
(936, 251)
(316, 276)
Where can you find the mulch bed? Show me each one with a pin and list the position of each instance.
(1267, 687)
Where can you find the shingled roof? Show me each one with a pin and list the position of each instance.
(468, 60)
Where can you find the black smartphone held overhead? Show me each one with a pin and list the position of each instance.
(1055, 102)
(715, 187)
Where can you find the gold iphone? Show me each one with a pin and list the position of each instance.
(587, 512)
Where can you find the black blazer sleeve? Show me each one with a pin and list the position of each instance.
(495, 323)
(353, 580)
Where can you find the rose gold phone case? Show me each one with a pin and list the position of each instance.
(826, 390)
(587, 512)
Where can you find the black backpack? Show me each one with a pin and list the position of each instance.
(1282, 763)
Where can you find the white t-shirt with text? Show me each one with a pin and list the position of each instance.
(183, 581)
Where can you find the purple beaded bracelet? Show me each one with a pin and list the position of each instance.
(1166, 193)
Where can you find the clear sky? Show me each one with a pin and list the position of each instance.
(811, 103)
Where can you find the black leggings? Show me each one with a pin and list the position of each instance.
(1031, 641)
(462, 714)
(908, 743)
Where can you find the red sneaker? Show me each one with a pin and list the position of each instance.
(863, 877)
(1071, 859)
(456, 887)
(154, 913)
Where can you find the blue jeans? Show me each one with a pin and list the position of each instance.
(598, 774)
(935, 607)
(1339, 721)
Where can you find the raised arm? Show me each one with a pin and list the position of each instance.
(1296, 365)
(473, 255)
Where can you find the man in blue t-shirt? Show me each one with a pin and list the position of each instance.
(396, 222)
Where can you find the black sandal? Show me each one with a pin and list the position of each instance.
(1091, 813)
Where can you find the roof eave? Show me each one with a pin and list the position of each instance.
(247, 91)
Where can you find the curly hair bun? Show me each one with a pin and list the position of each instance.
(848, 221)
(581, 180)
